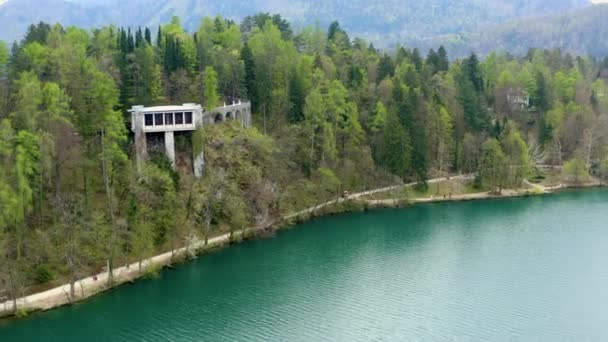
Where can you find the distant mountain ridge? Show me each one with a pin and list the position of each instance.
(581, 31)
(460, 24)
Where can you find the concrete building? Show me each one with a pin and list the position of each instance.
(168, 120)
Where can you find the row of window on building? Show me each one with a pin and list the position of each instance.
(168, 119)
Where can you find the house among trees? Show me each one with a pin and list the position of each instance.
(517, 98)
(164, 122)
(511, 102)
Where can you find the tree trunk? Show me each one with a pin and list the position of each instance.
(589, 137)
(207, 232)
(13, 287)
(106, 182)
(72, 289)
(264, 116)
(40, 204)
(312, 148)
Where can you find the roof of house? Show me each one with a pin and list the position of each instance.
(172, 108)
(517, 91)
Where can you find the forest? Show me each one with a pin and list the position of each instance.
(407, 20)
(331, 113)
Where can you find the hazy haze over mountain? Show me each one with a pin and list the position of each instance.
(385, 22)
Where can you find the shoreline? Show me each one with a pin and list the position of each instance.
(93, 285)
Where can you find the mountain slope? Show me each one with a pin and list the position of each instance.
(17, 15)
(581, 32)
(463, 26)
(405, 20)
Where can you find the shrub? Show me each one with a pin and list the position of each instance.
(21, 313)
(575, 170)
(43, 274)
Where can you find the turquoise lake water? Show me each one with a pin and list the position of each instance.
(526, 269)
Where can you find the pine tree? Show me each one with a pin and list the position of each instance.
(417, 59)
(159, 39)
(386, 68)
(444, 63)
(130, 41)
(297, 98)
(473, 72)
(493, 166)
(314, 121)
(432, 61)
(334, 29)
(146, 76)
(250, 84)
(148, 36)
(542, 100)
(210, 95)
(475, 114)
(397, 148)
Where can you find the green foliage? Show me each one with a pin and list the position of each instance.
(564, 86)
(518, 158)
(179, 48)
(272, 57)
(398, 150)
(575, 171)
(28, 98)
(603, 169)
(470, 86)
(198, 140)
(153, 272)
(440, 130)
(43, 273)
(492, 166)
(378, 121)
(211, 97)
(156, 202)
(164, 164)
(336, 115)
(327, 182)
(4, 54)
(21, 313)
(146, 76)
(407, 21)
(235, 187)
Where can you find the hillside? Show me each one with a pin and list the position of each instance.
(583, 32)
(580, 32)
(77, 191)
(381, 21)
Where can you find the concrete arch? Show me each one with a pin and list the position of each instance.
(238, 115)
(218, 118)
(229, 116)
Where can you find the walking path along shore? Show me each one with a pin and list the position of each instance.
(97, 283)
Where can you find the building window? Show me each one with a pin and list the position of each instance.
(158, 119)
(188, 118)
(168, 118)
(149, 119)
(179, 118)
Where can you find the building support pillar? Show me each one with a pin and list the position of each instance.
(141, 147)
(199, 165)
(170, 147)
